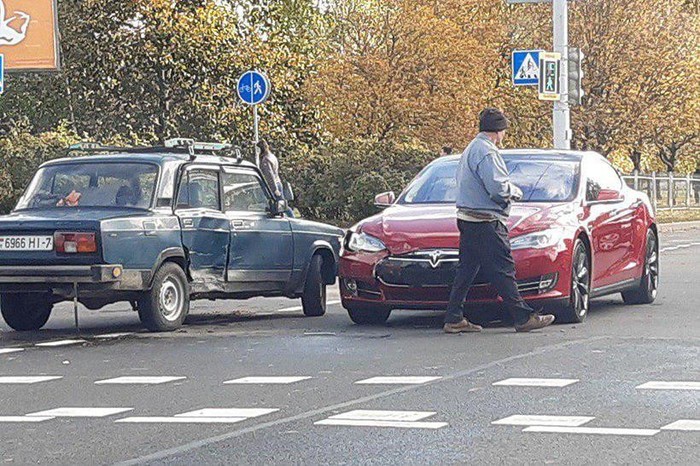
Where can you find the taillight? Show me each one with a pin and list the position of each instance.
(73, 243)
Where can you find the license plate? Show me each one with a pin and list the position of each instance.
(26, 243)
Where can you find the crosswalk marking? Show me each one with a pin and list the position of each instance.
(401, 380)
(113, 335)
(28, 379)
(25, 418)
(52, 344)
(537, 420)
(145, 380)
(228, 412)
(659, 385)
(683, 424)
(370, 418)
(267, 380)
(592, 430)
(10, 350)
(524, 382)
(399, 424)
(299, 308)
(80, 412)
(180, 420)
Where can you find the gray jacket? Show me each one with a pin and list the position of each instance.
(484, 189)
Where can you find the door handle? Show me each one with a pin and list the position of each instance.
(188, 222)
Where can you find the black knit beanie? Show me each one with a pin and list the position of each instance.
(492, 120)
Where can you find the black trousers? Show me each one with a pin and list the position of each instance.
(484, 246)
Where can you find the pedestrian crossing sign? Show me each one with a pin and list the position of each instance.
(525, 65)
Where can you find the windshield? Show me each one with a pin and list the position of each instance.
(105, 184)
(540, 180)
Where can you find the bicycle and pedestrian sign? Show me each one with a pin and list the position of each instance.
(526, 67)
(253, 87)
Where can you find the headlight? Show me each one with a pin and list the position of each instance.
(361, 242)
(539, 240)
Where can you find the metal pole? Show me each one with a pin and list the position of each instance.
(560, 117)
(653, 189)
(257, 136)
(669, 188)
(687, 191)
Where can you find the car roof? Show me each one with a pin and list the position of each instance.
(152, 157)
(541, 154)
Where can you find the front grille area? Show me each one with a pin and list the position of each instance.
(426, 268)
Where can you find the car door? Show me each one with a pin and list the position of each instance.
(611, 227)
(261, 249)
(205, 228)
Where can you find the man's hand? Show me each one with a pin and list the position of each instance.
(516, 193)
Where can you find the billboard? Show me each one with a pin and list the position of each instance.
(29, 34)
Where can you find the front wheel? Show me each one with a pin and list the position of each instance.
(25, 312)
(165, 306)
(645, 293)
(313, 301)
(576, 309)
(368, 315)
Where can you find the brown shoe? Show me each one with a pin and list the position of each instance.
(535, 322)
(462, 327)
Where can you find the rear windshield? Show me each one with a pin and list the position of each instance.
(540, 180)
(91, 185)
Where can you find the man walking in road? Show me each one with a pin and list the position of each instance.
(484, 195)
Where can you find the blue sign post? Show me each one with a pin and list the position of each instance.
(2, 73)
(254, 88)
(526, 67)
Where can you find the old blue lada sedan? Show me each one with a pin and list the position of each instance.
(156, 227)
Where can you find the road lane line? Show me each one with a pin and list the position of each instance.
(136, 380)
(592, 430)
(678, 246)
(523, 382)
(544, 420)
(10, 350)
(266, 380)
(114, 335)
(683, 424)
(28, 379)
(670, 385)
(25, 418)
(246, 413)
(51, 344)
(181, 420)
(400, 380)
(80, 412)
(402, 425)
(300, 308)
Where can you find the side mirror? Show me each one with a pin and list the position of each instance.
(608, 195)
(384, 200)
(279, 207)
(288, 192)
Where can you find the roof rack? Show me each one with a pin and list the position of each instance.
(180, 145)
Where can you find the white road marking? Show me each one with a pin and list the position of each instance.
(10, 350)
(657, 385)
(25, 418)
(391, 416)
(139, 380)
(228, 412)
(558, 421)
(267, 380)
(684, 424)
(182, 420)
(679, 246)
(399, 424)
(60, 343)
(402, 380)
(519, 382)
(300, 308)
(28, 379)
(81, 412)
(113, 335)
(592, 430)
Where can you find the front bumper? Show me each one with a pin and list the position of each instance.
(59, 277)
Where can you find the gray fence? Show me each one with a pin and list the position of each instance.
(668, 191)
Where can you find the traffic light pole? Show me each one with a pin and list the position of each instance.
(560, 116)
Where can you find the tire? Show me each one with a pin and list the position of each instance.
(313, 301)
(25, 312)
(164, 307)
(576, 310)
(648, 287)
(368, 315)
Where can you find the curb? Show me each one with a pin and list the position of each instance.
(679, 226)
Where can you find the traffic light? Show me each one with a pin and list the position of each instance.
(575, 69)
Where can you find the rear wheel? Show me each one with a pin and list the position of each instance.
(313, 301)
(25, 312)
(649, 284)
(165, 306)
(576, 309)
(363, 315)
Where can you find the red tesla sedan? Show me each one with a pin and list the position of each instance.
(579, 232)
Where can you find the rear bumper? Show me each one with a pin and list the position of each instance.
(62, 277)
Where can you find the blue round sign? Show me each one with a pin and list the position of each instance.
(253, 87)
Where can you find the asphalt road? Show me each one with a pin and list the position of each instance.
(603, 416)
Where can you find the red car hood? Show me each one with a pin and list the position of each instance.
(408, 228)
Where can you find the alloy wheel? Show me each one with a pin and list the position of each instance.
(652, 266)
(580, 283)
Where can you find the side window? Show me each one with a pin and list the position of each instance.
(199, 189)
(244, 192)
(605, 176)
